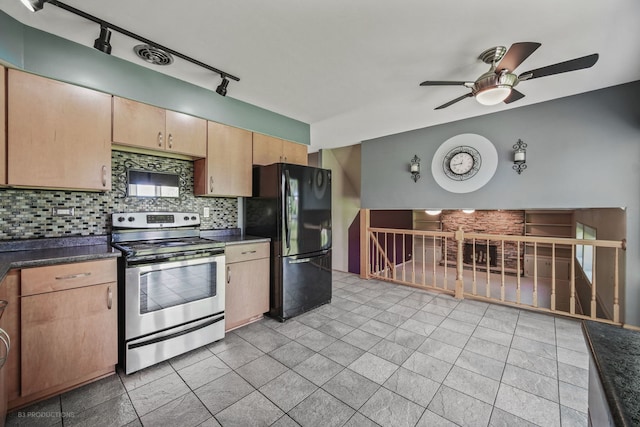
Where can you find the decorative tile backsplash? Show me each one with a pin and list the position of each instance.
(27, 214)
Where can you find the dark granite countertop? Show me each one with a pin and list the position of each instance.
(231, 236)
(39, 252)
(616, 352)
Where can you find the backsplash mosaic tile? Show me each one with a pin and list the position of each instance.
(27, 214)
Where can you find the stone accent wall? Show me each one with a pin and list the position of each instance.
(505, 222)
(27, 214)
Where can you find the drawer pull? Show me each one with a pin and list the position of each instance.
(228, 275)
(73, 276)
(248, 252)
(109, 298)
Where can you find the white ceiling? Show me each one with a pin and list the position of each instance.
(351, 69)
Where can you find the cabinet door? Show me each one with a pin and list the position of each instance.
(138, 125)
(67, 335)
(266, 149)
(247, 292)
(186, 134)
(3, 128)
(10, 322)
(293, 152)
(58, 134)
(228, 164)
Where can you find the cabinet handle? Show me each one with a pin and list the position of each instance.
(211, 184)
(170, 141)
(109, 298)
(159, 139)
(285, 159)
(248, 252)
(73, 276)
(7, 344)
(228, 275)
(104, 175)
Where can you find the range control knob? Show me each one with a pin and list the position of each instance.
(186, 218)
(131, 219)
(193, 218)
(121, 219)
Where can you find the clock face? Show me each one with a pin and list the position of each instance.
(462, 163)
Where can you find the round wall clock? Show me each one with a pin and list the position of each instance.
(464, 163)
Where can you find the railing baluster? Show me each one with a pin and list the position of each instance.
(413, 259)
(435, 282)
(424, 262)
(502, 269)
(518, 276)
(488, 290)
(616, 304)
(446, 263)
(553, 277)
(572, 274)
(386, 254)
(395, 256)
(404, 258)
(473, 268)
(535, 274)
(593, 284)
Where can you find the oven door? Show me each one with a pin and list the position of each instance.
(168, 294)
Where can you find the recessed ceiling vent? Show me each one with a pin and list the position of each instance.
(153, 55)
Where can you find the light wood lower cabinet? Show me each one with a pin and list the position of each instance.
(64, 325)
(247, 288)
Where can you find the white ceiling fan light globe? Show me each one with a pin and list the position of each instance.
(493, 95)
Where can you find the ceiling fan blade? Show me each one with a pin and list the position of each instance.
(514, 96)
(460, 98)
(516, 55)
(445, 83)
(561, 67)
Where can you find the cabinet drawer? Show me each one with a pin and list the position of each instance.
(246, 252)
(51, 278)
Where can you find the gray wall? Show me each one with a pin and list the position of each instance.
(42, 53)
(583, 152)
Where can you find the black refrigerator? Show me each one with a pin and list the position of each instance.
(291, 204)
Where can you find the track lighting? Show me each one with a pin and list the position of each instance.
(102, 42)
(222, 87)
(33, 5)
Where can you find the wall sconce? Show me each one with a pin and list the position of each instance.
(414, 168)
(519, 156)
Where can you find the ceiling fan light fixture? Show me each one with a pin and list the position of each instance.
(493, 95)
(33, 5)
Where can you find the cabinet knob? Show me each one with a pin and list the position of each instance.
(159, 139)
(170, 141)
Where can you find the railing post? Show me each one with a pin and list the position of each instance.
(459, 272)
(365, 219)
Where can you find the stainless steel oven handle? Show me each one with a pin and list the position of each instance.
(156, 266)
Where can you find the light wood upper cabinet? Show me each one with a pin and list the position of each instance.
(268, 150)
(226, 171)
(141, 125)
(59, 135)
(3, 127)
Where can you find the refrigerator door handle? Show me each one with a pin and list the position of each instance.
(299, 260)
(287, 191)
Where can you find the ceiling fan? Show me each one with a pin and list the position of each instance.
(497, 84)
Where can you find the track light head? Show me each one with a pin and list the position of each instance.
(33, 5)
(102, 42)
(222, 87)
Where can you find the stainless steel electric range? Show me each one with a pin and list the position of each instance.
(171, 286)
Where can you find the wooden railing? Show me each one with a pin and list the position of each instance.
(535, 272)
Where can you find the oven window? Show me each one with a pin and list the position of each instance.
(176, 286)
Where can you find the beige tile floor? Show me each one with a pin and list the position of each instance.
(379, 354)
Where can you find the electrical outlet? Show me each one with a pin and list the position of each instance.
(63, 211)
(205, 212)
